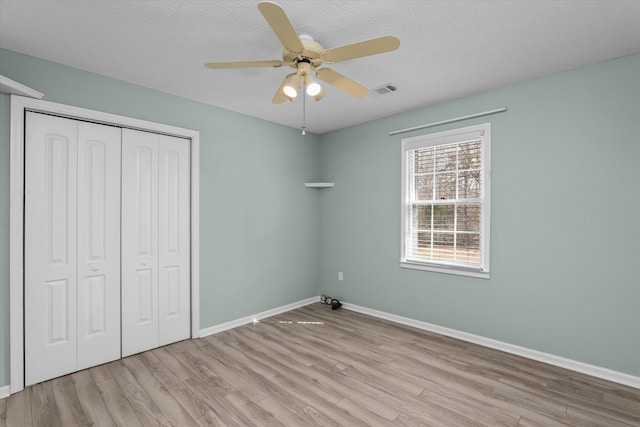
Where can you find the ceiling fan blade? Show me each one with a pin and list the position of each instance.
(280, 24)
(243, 64)
(341, 82)
(280, 97)
(358, 50)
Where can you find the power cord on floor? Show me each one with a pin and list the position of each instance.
(333, 302)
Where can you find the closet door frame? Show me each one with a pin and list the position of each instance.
(19, 106)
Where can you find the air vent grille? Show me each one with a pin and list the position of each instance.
(384, 89)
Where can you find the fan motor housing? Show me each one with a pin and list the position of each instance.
(312, 51)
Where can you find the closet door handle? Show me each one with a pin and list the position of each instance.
(95, 268)
(143, 262)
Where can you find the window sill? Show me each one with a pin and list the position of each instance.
(442, 269)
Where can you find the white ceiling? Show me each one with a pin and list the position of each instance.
(448, 49)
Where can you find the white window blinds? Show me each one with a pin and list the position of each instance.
(445, 204)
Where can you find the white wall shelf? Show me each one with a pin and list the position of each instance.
(13, 87)
(319, 184)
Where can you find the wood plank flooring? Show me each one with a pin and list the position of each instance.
(315, 366)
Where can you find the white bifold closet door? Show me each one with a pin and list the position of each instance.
(155, 240)
(72, 246)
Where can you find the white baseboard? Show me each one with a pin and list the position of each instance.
(595, 371)
(5, 391)
(249, 319)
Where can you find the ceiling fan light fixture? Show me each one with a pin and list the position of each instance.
(290, 92)
(313, 88)
(291, 85)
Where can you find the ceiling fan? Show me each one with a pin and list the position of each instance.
(303, 54)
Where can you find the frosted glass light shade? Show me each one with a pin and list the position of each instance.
(313, 89)
(291, 86)
(290, 91)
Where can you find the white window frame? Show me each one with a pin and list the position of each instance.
(482, 131)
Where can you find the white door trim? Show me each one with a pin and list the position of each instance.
(19, 105)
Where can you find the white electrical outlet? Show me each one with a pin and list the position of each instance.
(340, 276)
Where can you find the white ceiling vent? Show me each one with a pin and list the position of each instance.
(381, 90)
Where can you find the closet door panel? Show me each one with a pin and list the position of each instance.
(139, 241)
(50, 247)
(98, 244)
(174, 241)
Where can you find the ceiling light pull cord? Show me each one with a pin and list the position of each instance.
(304, 110)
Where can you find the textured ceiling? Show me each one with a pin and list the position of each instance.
(448, 49)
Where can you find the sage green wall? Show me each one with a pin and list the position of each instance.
(258, 223)
(565, 276)
(565, 255)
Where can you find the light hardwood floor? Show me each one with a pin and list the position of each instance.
(315, 366)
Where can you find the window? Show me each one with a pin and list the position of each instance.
(445, 201)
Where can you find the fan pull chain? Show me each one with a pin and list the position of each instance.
(304, 109)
